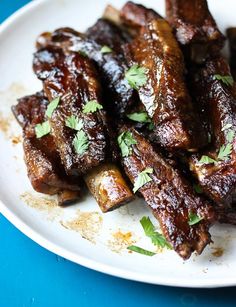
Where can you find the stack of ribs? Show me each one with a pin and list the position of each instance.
(191, 108)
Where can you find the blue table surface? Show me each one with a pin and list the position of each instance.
(33, 276)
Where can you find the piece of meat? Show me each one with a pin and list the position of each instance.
(73, 78)
(195, 28)
(42, 160)
(218, 180)
(135, 16)
(165, 95)
(170, 197)
(104, 32)
(231, 34)
(108, 187)
(119, 94)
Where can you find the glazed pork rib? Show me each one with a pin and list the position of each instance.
(73, 78)
(170, 197)
(112, 66)
(43, 163)
(164, 94)
(213, 88)
(195, 28)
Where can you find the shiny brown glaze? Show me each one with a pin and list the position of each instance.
(219, 104)
(135, 16)
(73, 78)
(108, 187)
(112, 67)
(42, 160)
(170, 197)
(231, 35)
(165, 96)
(195, 28)
(105, 32)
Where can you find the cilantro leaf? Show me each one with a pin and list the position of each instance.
(230, 136)
(42, 129)
(136, 76)
(228, 80)
(206, 160)
(83, 53)
(194, 219)
(225, 151)
(106, 49)
(142, 179)
(125, 141)
(157, 238)
(81, 142)
(197, 188)
(74, 122)
(227, 126)
(140, 250)
(141, 117)
(52, 106)
(151, 126)
(92, 106)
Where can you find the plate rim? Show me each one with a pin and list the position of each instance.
(74, 257)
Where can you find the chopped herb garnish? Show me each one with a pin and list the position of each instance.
(74, 122)
(125, 141)
(106, 49)
(136, 76)
(225, 151)
(151, 126)
(42, 129)
(230, 136)
(81, 142)
(141, 117)
(140, 250)
(228, 80)
(157, 238)
(206, 160)
(142, 179)
(194, 219)
(92, 106)
(83, 53)
(227, 126)
(197, 188)
(52, 106)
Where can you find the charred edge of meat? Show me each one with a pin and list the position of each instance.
(218, 179)
(195, 28)
(165, 95)
(43, 163)
(170, 197)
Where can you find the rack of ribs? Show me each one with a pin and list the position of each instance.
(73, 78)
(170, 197)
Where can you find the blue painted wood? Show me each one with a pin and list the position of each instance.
(32, 276)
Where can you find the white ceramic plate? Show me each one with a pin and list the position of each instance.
(99, 243)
